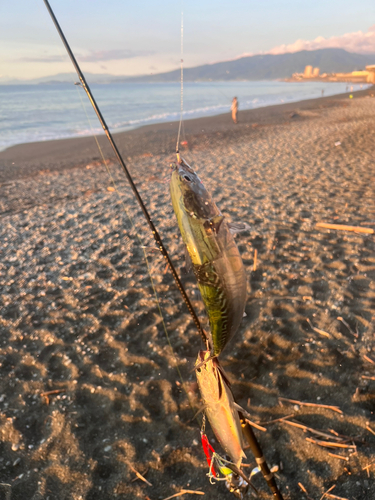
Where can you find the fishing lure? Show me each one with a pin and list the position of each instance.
(216, 261)
(221, 469)
(219, 406)
(215, 460)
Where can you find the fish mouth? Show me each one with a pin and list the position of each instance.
(202, 355)
(182, 166)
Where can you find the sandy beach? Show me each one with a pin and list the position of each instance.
(89, 389)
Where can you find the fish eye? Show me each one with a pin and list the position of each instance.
(199, 370)
(187, 178)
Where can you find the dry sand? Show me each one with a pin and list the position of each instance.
(78, 315)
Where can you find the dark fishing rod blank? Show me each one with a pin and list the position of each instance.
(259, 457)
(127, 173)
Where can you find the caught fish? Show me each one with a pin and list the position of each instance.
(219, 405)
(216, 261)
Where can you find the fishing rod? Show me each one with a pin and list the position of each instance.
(259, 457)
(245, 426)
(155, 233)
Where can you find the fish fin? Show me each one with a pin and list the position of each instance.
(198, 412)
(238, 227)
(188, 262)
(214, 223)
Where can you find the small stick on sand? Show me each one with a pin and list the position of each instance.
(367, 468)
(257, 426)
(330, 489)
(304, 490)
(255, 260)
(336, 497)
(313, 431)
(338, 456)
(347, 326)
(316, 405)
(368, 359)
(51, 393)
(184, 492)
(139, 475)
(370, 430)
(321, 332)
(367, 377)
(327, 444)
(276, 420)
(334, 432)
(342, 227)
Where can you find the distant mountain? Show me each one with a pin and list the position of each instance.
(73, 77)
(268, 66)
(260, 67)
(9, 81)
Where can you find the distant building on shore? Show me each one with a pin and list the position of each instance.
(308, 72)
(315, 72)
(362, 76)
(371, 73)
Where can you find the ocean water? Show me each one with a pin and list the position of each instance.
(30, 113)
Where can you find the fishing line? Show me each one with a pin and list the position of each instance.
(182, 86)
(105, 162)
(127, 173)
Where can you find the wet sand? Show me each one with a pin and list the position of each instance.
(89, 390)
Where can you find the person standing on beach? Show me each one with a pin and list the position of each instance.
(234, 109)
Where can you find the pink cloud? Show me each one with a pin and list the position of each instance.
(359, 42)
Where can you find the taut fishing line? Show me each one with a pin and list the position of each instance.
(182, 85)
(105, 162)
(155, 233)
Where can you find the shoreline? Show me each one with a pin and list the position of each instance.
(28, 159)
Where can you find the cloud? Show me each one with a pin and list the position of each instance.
(44, 59)
(359, 42)
(92, 56)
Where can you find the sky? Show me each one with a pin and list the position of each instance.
(123, 37)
